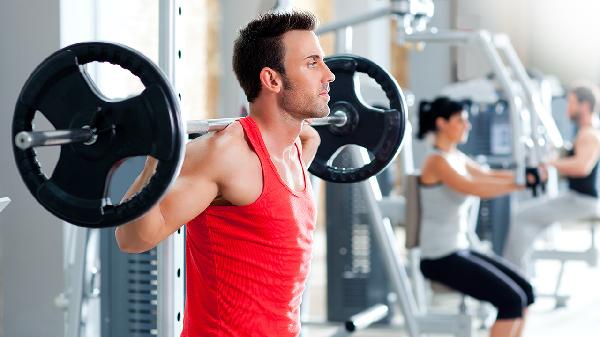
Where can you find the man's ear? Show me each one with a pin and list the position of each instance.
(271, 80)
(587, 106)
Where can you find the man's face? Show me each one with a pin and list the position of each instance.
(573, 106)
(306, 82)
(576, 108)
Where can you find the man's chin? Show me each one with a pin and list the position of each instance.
(324, 112)
(319, 113)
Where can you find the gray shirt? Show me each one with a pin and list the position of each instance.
(444, 214)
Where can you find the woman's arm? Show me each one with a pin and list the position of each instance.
(437, 169)
(479, 171)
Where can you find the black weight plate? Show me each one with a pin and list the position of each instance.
(380, 131)
(147, 124)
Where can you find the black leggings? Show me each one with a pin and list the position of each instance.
(486, 278)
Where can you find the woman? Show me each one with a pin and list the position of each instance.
(448, 179)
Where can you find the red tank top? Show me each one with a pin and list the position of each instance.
(246, 265)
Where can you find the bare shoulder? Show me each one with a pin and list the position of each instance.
(216, 154)
(596, 133)
(434, 161)
(430, 168)
(589, 135)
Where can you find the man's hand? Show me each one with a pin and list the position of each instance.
(143, 178)
(308, 133)
(310, 140)
(150, 166)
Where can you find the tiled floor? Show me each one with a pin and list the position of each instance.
(581, 317)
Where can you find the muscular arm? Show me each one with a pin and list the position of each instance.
(437, 169)
(193, 190)
(587, 152)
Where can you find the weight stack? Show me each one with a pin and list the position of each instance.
(356, 277)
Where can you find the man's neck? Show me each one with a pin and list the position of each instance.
(587, 120)
(279, 129)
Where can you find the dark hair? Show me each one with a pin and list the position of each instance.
(259, 45)
(430, 111)
(586, 93)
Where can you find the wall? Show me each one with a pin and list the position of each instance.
(30, 238)
(431, 68)
(555, 36)
(234, 15)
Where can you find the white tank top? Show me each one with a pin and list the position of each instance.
(444, 214)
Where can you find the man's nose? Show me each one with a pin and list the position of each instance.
(330, 75)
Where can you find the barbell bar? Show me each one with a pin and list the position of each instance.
(87, 135)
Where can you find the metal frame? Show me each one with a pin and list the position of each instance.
(4, 201)
(527, 104)
(170, 297)
(414, 15)
(71, 299)
(590, 256)
(535, 102)
(171, 265)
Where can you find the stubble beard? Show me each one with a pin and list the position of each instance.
(299, 105)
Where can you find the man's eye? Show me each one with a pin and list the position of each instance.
(312, 64)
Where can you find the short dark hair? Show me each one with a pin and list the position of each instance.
(259, 45)
(442, 107)
(586, 93)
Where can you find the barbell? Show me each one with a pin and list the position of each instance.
(96, 134)
(28, 139)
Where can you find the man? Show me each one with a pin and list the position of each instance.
(244, 192)
(580, 201)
